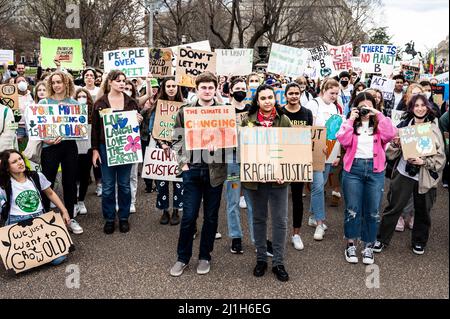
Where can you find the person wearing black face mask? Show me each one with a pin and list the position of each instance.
(345, 91)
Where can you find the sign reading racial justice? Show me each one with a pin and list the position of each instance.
(282, 153)
(133, 62)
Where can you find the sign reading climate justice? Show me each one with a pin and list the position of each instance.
(49, 121)
(378, 58)
(270, 153)
(133, 62)
(159, 165)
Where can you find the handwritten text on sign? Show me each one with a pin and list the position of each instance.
(411, 73)
(322, 61)
(234, 62)
(271, 153)
(210, 126)
(133, 62)
(384, 85)
(341, 56)
(191, 63)
(122, 137)
(9, 96)
(49, 121)
(42, 240)
(287, 60)
(159, 166)
(378, 58)
(417, 140)
(166, 113)
(161, 62)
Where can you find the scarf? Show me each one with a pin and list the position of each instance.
(266, 121)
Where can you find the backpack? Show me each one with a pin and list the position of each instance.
(8, 190)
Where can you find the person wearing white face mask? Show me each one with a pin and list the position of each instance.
(428, 93)
(25, 99)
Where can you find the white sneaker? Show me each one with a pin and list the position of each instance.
(242, 203)
(99, 190)
(74, 227)
(337, 194)
(132, 208)
(76, 210)
(367, 254)
(312, 222)
(320, 231)
(218, 235)
(297, 242)
(350, 254)
(82, 208)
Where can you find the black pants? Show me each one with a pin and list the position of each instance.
(148, 181)
(400, 191)
(297, 204)
(84, 165)
(66, 154)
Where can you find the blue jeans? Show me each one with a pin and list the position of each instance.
(317, 205)
(111, 175)
(14, 219)
(197, 186)
(233, 187)
(363, 190)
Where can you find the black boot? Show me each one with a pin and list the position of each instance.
(165, 217)
(175, 219)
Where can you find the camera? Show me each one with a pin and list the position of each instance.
(363, 111)
(412, 169)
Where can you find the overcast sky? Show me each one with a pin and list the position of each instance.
(426, 22)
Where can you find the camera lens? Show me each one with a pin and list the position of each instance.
(364, 111)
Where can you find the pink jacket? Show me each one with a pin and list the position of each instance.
(349, 141)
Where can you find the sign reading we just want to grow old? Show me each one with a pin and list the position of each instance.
(133, 62)
(270, 153)
(49, 121)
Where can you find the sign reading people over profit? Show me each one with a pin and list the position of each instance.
(68, 51)
(210, 126)
(286, 60)
(6, 56)
(34, 242)
(191, 63)
(417, 140)
(133, 62)
(411, 73)
(384, 85)
(160, 62)
(49, 121)
(166, 113)
(122, 138)
(322, 61)
(159, 165)
(9, 96)
(234, 62)
(378, 58)
(341, 56)
(282, 153)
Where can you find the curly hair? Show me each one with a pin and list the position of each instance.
(67, 81)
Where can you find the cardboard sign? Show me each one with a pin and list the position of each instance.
(322, 61)
(34, 242)
(341, 56)
(200, 45)
(378, 58)
(122, 138)
(442, 78)
(276, 152)
(159, 166)
(411, 73)
(356, 67)
(211, 125)
(9, 96)
(68, 50)
(133, 62)
(319, 143)
(384, 85)
(280, 96)
(417, 141)
(286, 60)
(6, 56)
(438, 93)
(191, 63)
(234, 62)
(241, 117)
(49, 121)
(396, 117)
(160, 62)
(166, 113)
(250, 94)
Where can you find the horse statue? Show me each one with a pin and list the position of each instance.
(410, 50)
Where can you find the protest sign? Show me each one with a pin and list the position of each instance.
(356, 67)
(159, 166)
(9, 96)
(205, 126)
(442, 78)
(438, 93)
(84, 145)
(396, 117)
(250, 94)
(417, 140)
(411, 73)
(200, 45)
(279, 152)
(378, 58)
(234, 62)
(122, 138)
(160, 62)
(191, 63)
(241, 117)
(34, 242)
(384, 85)
(280, 96)
(6, 56)
(322, 61)
(165, 115)
(319, 143)
(341, 56)
(69, 51)
(133, 62)
(49, 121)
(333, 124)
(286, 60)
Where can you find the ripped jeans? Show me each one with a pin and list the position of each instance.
(363, 190)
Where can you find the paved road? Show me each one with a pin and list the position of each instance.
(136, 264)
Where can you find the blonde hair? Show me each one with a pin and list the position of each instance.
(36, 88)
(328, 84)
(68, 84)
(411, 87)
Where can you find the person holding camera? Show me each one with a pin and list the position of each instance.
(364, 137)
(418, 176)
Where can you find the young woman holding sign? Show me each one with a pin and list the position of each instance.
(265, 112)
(418, 176)
(115, 99)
